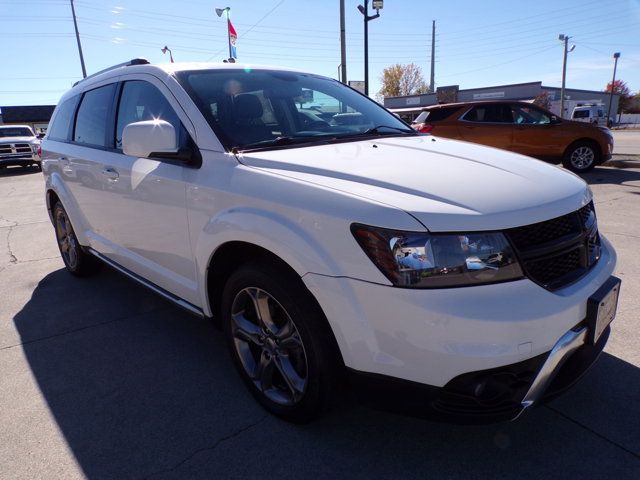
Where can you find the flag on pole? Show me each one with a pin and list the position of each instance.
(233, 39)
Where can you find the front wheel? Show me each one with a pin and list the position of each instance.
(581, 157)
(280, 341)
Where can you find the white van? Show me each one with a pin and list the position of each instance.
(591, 114)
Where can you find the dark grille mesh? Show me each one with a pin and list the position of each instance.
(549, 269)
(559, 251)
(543, 232)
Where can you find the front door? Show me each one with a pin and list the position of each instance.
(534, 133)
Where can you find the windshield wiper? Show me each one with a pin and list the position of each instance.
(280, 141)
(376, 130)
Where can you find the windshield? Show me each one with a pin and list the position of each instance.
(16, 132)
(265, 109)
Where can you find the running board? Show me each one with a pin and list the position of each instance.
(189, 307)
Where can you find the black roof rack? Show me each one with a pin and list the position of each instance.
(134, 61)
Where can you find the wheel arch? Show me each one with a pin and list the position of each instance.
(589, 140)
(224, 261)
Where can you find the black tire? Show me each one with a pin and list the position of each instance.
(581, 157)
(306, 353)
(77, 261)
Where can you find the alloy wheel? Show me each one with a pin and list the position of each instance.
(269, 346)
(582, 157)
(66, 239)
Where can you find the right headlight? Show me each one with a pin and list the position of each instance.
(434, 260)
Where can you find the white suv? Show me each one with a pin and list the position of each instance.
(442, 278)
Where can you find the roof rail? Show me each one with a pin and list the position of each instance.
(134, 61)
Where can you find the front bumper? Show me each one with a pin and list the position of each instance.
(436, 338)
(17, 159)
(486, 396)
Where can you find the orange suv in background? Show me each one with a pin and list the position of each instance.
(520, 127)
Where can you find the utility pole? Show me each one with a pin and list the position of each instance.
(432, 83)
(616, 56)
(564, 38)
(365, 12)
(75, 24)
(343, 46)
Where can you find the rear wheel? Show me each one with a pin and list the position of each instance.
(77, 261)
(581, 157)
(280, 341)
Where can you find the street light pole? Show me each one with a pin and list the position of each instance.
(564, 38)
(616, 56)
(343, 46)
(365, 12)
(75, 24)
(167, 49)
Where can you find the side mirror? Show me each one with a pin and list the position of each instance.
(555, 119)
(142, 139)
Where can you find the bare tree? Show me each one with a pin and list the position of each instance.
(398, 80)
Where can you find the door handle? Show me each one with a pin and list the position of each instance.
(110, 173)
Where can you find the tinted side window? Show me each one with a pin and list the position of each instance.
(490, 114)
(438, 114)
(91, 121)
(60, 129)
(529, 115)
(142, 101)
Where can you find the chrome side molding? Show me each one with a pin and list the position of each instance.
(151, 286)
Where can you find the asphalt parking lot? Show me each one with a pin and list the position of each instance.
(100, 378)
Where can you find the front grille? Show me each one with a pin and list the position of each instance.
(15, 148)
(23, 148)
(559, 251)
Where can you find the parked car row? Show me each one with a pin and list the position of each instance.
(442, 278)
(522, 128)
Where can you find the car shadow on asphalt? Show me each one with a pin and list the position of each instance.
(17, 171)
(141, 389)
(613, 176)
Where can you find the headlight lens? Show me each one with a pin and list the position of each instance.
(433, 260)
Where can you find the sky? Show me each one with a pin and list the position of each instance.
(478, 43)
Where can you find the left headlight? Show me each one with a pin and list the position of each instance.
(434, 260)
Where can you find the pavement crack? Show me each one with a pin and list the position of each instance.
(221, 440)
(12, 257)
(597, 434)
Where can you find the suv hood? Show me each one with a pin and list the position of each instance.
(17, 139)
(447, 185)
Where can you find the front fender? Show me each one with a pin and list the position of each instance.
(290, 241)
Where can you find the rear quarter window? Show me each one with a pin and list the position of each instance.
(60, 128)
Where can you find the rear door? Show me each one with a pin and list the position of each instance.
(488, 124)
(137, 206)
